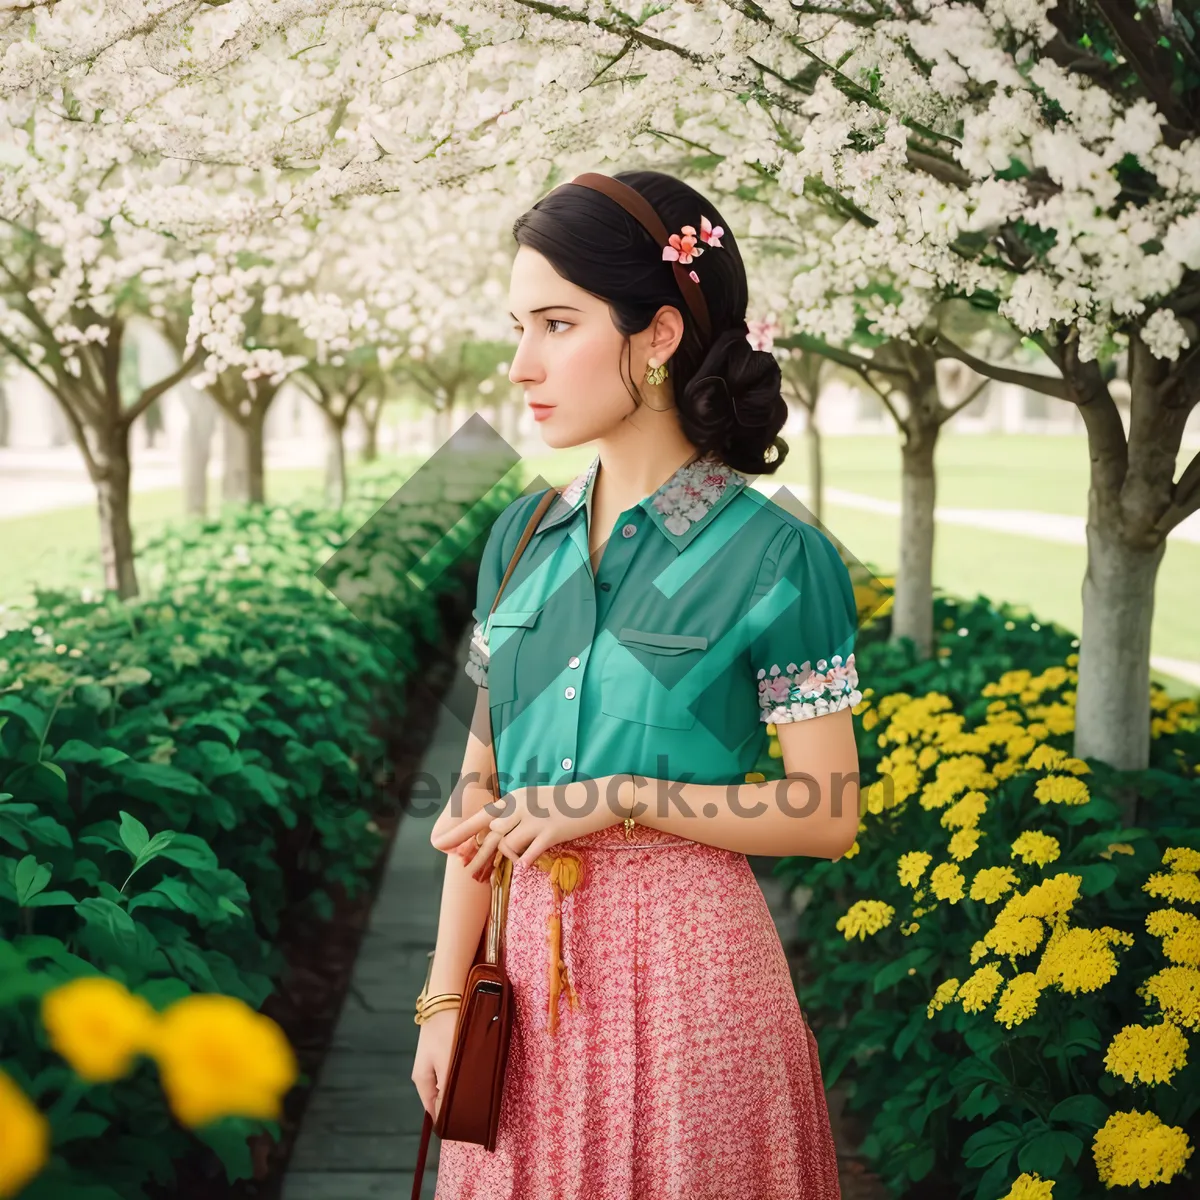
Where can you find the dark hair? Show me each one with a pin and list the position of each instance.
(728, 394)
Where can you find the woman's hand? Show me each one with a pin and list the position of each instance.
(435, 1044)
(528, 821)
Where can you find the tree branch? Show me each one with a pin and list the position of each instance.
(1048, 385)
(152, 393)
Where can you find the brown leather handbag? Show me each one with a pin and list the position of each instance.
(474, 1084)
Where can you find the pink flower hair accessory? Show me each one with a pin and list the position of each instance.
(685, 246)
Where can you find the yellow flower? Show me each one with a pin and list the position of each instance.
(1061, 789)
(98, 1026)
(864, 917)
(24, 1138)
(947, 882)
(945, 993)
(1116, 848)
(1080, 960)
(1030, 1187)
(1174, 885)
(912, 866)
(1044, 758)
(1137, 1148)
(1013, 934)
(965, 813)
(992, 882)
(976, 994)
(1035, 847)
(1177, 993)
(1180, 933)
(217, 1057)
(1019, 999)
(1147, 1054)
(964, 843)
(978, 950)
(1182, 858)
(1052, 899)
(853, 850)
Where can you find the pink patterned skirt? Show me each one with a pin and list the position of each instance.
(686, 1071)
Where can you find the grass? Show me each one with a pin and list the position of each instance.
(59, 548)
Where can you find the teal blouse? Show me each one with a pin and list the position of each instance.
(713, 612)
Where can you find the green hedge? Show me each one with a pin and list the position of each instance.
(179, 770)
(1002, 952)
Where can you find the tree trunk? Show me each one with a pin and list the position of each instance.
(335, 459)
(912, 611)
(370, 414)
(1112, 705)
(111, 475)
(243, 479)
(196, 449)
(816, 473)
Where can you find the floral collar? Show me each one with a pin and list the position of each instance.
(679, 507)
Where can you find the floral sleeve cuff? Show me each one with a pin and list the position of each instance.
(477, 657)
(800, 692)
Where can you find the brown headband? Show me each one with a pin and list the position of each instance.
(638, 207)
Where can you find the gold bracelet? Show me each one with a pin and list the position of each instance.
(435, 1004)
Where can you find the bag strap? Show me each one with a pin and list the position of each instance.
(540, 511)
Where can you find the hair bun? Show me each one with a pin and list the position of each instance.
(734, 405)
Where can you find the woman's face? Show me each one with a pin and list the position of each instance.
(571, 358)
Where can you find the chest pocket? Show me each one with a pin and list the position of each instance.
(642, 675)
(508, 639)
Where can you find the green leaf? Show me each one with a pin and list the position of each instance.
(894, 972)
(230, 1139)
(989, 1144)
(161, 776)
(77, 751)
(30, 878)
(192, 852)
(80, 1125)
(33, 716)
(1082, 1109)
(1096, 877)
(1046, 1153)
(134, 835)
(52, 900)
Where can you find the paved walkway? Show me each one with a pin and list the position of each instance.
(362, 1126)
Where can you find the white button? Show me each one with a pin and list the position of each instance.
(573, 661)
(566, 764)
(570, 693)
(628, 530)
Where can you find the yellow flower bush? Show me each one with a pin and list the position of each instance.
(98, 1026)
(218, 1057)
(1137, 1149)
(1023, 847)
(24, 1138)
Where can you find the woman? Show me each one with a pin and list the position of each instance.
(661, 616)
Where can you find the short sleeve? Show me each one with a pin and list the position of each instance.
(497, 552)
(804, 621)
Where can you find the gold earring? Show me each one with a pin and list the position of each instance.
(654, 373)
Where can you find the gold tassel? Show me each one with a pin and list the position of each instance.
(566, 874)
